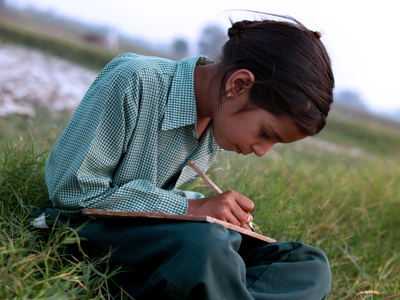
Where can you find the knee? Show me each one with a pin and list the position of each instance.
(317, 267)
(316, 258)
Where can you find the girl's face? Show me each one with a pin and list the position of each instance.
(252, 130)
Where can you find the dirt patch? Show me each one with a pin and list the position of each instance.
(30, 78)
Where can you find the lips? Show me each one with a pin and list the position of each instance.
(239, 151)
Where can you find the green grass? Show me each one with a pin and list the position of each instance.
(371, 134)
(345, 205)
(344, 202)
(72, 48)
(34, 265)
(41, 131)
(87, 55)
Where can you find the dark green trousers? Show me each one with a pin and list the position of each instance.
(193, 260)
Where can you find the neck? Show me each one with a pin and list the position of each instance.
(204, 89)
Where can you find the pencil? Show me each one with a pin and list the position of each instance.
(211, 184)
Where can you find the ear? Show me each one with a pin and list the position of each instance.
(239, 83)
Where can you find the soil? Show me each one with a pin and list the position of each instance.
(30, 78)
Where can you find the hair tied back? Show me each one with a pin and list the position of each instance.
(317, 34)
(238, 27)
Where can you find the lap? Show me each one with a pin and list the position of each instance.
(207, 253)
(147, 242)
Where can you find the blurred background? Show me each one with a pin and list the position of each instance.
(359, 35)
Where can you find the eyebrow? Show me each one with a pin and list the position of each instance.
(276, 134)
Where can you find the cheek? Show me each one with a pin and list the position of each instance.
(223, 137)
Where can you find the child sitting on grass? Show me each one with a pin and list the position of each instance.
(144, 118)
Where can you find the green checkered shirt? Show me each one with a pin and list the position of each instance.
(129, 141)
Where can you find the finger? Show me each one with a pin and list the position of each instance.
(233, 220)
(231, 209)
(245, 203)
(249, 218)
(242, 216)
(246, 226)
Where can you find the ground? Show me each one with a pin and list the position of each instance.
(30, 78)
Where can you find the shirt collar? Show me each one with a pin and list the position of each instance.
(181, 106)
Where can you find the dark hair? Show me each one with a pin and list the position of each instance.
(293, 75)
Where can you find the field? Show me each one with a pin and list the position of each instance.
(341, 199)
(338, 191)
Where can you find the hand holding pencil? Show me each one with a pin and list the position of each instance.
(231, 207)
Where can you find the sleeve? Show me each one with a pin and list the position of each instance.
(79, 171)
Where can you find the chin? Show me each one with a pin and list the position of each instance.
(222, 145)
(230, 149)
(225, 145)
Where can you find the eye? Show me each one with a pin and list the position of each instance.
(264, 135)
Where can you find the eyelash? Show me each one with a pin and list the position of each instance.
(264, 135)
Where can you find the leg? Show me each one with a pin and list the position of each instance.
(286, 271)
(174, 260)
(191, 260)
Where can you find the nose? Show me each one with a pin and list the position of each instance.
(262, 148)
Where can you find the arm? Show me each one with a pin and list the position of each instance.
(81, 169)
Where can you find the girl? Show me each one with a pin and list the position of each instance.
(144, 118)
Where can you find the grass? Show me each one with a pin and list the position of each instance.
(87, 55)
(344, 205)
(56, 41)
(342, 199)
(372, 134)
(34, 265)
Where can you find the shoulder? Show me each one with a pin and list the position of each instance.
(129, 64)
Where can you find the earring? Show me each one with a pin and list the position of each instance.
(227, 96)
